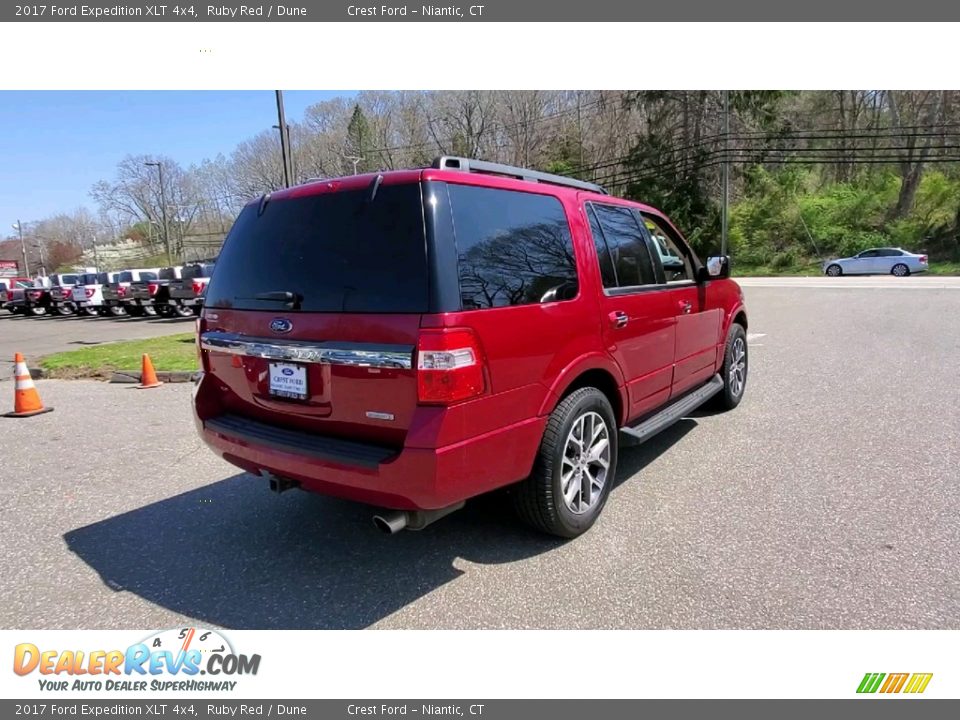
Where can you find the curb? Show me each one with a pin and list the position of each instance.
(167, 376)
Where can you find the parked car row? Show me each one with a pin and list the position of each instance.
(168, 292)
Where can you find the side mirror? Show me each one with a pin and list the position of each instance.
(717, 267)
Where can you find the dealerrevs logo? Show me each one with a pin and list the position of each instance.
(167, 660)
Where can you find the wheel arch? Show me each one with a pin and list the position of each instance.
(597, 372)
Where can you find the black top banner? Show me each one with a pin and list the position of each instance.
(484, 11)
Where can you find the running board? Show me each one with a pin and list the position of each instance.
(673, 412)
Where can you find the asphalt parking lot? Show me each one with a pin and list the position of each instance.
(38, 336)
(829, 499)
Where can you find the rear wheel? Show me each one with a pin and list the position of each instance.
(149, 310)
(66, 309)
(90, 311)
(38, 311)
(834, 271)
(116, 311)
(183, 310)
(900, 270)
(575, 467)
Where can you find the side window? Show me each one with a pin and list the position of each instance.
(514, 248)
(627, 245)
(607, 274)
(869, 254)
(677, 266)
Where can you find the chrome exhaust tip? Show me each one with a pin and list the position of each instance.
(390, 522)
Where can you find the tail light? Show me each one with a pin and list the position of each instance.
(66, 293)
(153, 287)
(89, 292)
(449, 366)
(198, 287)
(34, 294)
(9, 295)
(121, 291)
(923, 259)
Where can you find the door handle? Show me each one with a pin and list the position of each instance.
(686, 306)
(618, 318)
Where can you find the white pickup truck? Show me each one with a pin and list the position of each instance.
(88, 295)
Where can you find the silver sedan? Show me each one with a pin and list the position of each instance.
(878, 261)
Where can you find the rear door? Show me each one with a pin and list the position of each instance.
(638, 316)
(311, 319)
(698, 324)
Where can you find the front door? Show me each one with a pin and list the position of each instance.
(698, 326)
(638, 314)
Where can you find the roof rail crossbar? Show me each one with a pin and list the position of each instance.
(462, 164)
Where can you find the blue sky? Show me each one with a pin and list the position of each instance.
(55, 145)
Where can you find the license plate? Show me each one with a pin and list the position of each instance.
(288, 381)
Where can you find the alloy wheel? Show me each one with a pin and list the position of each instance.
(586, 462)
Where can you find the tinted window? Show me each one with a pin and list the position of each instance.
(677, 266)
(869, 253)
(148, 276)
(87, 279)
(338, 250)
(514, 248)
(125, 276)
(890, 252)
(168, 274)
(628, 246)
(607, 273)
(68, 279)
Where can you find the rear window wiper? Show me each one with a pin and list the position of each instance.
(292, 299)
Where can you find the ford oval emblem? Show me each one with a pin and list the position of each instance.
(281, 325)
(287, 371)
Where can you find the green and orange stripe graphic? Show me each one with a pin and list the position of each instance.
(894, 682)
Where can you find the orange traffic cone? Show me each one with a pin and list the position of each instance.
(26, 399)
(148, 376)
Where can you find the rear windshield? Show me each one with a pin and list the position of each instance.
(68, 279)
(103, 278)
(197, 271)
(340, 252)
(87, 279)
(168, 274)
(148, 276)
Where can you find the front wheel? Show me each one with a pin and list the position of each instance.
(734, 370)
(900, 270)
(575, 467)
(834, 271)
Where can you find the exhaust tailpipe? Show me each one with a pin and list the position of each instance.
(393, 521)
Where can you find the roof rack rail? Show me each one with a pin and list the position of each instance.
(462, 164)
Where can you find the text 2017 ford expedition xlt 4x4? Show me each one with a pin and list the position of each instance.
(414, 338)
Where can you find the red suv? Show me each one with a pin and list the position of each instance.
(414, 338)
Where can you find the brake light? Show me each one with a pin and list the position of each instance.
(198, 287)
(449, 366)
(153, 287)
(89, 292)
(923, 259)
(66, 293)
(34, 294)
(121, 291)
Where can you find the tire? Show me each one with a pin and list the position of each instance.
(38, 311)
(735, 353)
(900, 270)
(149, 310)
(116, 311)
(164, 311)
(66, 310)
(540, 500)
(834, 270)
(183, 311)
(90, 312)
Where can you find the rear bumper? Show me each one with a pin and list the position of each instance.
(404, 479)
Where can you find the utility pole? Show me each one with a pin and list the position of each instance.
(284, 139)
(23, 249)
(163, 209)
(726, 173)
(96, 257)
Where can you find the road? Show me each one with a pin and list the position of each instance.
(829, 499)
(38, 336)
